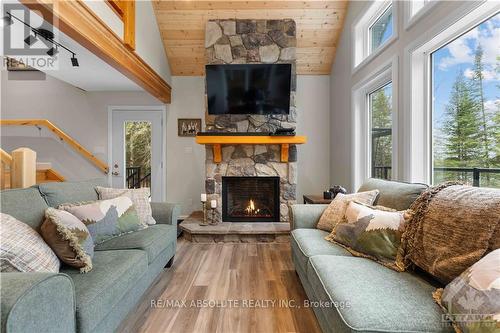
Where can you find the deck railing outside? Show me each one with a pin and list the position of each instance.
(134, 179)
(476, 176)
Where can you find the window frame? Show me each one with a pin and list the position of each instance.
(411, 17)
(372, 22)
(385, 81)
(418, 152)
(360, 29)
(361, 121)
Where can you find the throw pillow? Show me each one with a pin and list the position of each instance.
(22, 249)
(449, 228)
(472, 300)
(140, 198)
(335, 211)
(69, 238)
(371, 232)
(106, 219)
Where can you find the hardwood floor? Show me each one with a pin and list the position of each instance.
(233, 276)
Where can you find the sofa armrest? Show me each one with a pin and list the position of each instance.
(37, 302)
(165, 213)
(306, 216)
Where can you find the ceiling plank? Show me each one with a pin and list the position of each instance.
(182, 26)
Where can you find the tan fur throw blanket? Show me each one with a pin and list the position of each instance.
(449, 228)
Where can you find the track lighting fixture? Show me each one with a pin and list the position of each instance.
(30, 40)
(7, 20)
(43, 33)
(74, 61)
(53, 51)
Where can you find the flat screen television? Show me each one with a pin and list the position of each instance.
(248, 89)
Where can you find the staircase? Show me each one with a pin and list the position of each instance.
(17, 170)
(20, 168)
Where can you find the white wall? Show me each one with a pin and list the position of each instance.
(185, 158)
(83, 115)
(343, 80)
(148, 41)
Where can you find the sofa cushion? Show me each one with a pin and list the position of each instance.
(14, 203)
(57, 193)
(153, 240)
(114, 273)
(310, 242)
(396, 195)
(372, 297)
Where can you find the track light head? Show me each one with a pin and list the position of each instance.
(74, 61)
(53, 51)
(30, 40)
(7, 20)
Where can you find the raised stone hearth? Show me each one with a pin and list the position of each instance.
(227, 232)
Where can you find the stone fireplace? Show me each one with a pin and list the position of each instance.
(235, 41)
(250, 199)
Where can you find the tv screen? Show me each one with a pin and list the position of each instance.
(248, 89)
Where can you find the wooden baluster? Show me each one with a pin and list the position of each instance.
(23, 168)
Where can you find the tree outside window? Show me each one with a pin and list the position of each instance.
(381, 131)
(466, 107)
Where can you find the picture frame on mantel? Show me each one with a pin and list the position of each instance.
(188, 127)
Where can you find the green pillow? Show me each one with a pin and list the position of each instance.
(106, 219)
(371, 232)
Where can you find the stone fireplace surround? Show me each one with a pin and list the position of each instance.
(235, 41)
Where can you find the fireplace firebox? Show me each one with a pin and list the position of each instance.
(250, 199)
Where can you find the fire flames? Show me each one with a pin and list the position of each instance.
(251, 210)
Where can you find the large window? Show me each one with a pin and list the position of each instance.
(381, 30)
(380, 106)
(466, 107)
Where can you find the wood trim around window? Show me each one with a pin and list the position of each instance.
(116, 6)
(78, 21)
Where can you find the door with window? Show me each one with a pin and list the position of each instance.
(136, 150)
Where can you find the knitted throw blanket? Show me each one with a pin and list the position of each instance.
(449, 227)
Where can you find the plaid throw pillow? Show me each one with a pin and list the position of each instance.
(22, 249)
(140, 198)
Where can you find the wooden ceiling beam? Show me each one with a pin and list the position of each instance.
(78, 21)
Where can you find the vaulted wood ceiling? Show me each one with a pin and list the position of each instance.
(182, 26)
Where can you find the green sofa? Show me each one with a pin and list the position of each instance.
(97, 301)
(356, 294)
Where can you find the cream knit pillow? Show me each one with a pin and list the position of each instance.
(335, 211)
(139, 197)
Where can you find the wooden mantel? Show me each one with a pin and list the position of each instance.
(217, 141)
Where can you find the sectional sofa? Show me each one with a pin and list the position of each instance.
(351, 294)
(97, 301)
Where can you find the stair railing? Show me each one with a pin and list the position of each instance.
(61, 135)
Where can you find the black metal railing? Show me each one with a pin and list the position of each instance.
(134, 179)
(478, 174)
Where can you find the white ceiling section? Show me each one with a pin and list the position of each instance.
(93, 74)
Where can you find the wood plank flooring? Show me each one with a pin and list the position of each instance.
(239, 280)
